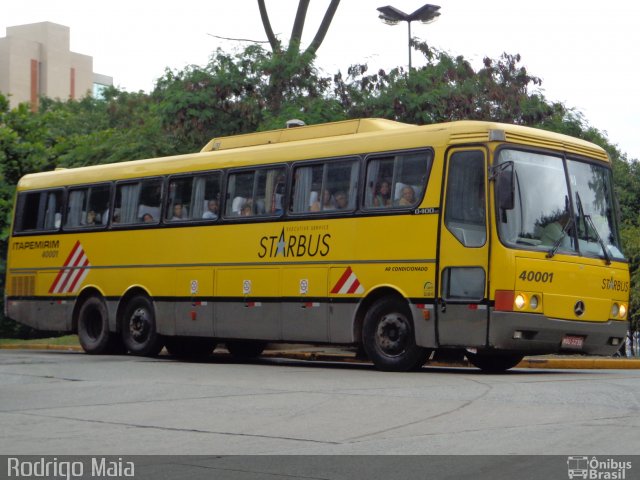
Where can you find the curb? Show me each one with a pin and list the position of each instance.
(594, 363)
(533, 363)
(63, 348)
(581, 363)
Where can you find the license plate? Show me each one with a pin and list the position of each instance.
(572, 342)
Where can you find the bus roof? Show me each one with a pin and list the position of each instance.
(307, 132)
(350, 137)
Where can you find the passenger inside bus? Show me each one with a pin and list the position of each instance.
(407, 197)
(91, 217)
(328, 201)
(179, 212)
(236, 205)
(213, 208)
(247, 209)
(342, 201)
(382, 195)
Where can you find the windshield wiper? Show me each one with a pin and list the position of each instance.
(607, 257)
(588, 223)
(557, 243)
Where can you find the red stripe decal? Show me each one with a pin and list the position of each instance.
(354, 286)
(79, 275)
(62, 270)
(342, 280)
(72, 274)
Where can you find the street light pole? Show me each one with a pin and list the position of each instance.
(425, 14)
(409, 42)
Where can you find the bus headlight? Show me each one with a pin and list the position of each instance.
(623, 311)
(533, 303)
(519, 301)
(615, 309)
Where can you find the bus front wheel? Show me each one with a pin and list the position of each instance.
(139, 332)
(93, 328)
(494, 362)
(389, 338)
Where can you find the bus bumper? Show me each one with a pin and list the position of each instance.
(537, 334)
(50, 315)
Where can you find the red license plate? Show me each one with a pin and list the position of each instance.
(572, 342)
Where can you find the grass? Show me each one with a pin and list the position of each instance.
(67, 340)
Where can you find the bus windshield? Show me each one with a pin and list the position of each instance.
(556, 214)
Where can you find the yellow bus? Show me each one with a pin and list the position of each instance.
(490, 239)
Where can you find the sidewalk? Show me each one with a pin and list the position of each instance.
(336, 354)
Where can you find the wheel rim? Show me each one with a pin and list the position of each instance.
(140, 324)
(392, 334)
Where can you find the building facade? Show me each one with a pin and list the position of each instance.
(36, 60)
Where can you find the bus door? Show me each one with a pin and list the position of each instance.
(462, 305)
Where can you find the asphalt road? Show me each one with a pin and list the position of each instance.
(69, 403)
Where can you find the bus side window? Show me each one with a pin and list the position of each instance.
(193, 197)
(39, 211)
(397, 180)
(328, 186)
(88, 206)
(138, 202)
(256, 193)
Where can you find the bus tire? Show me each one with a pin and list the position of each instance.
(244, 350)
(190, 347)
(389, 338)
(494, 362)
(139, 333)
(93, 328)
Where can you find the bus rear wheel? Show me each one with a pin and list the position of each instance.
(494, 362)
(244, 350)
(138, 328)
(389, 338)
(93, 328)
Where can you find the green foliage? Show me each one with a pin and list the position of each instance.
(222, 98)
(241, 93)
(446, 89)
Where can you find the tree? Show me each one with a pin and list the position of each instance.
(237, 94)
(447, 89)
(290, 67)
(298, 26)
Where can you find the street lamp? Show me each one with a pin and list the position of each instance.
(425, 14)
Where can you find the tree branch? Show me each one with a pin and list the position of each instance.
(322, 30)
(298, 25)
(275, 44)
(238, 39)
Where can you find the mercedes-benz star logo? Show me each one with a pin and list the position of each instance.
(579, 308)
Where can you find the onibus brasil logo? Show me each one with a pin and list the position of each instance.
(597, 469)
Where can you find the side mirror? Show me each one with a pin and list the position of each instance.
(505, 188)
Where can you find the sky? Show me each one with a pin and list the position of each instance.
(586, 52)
